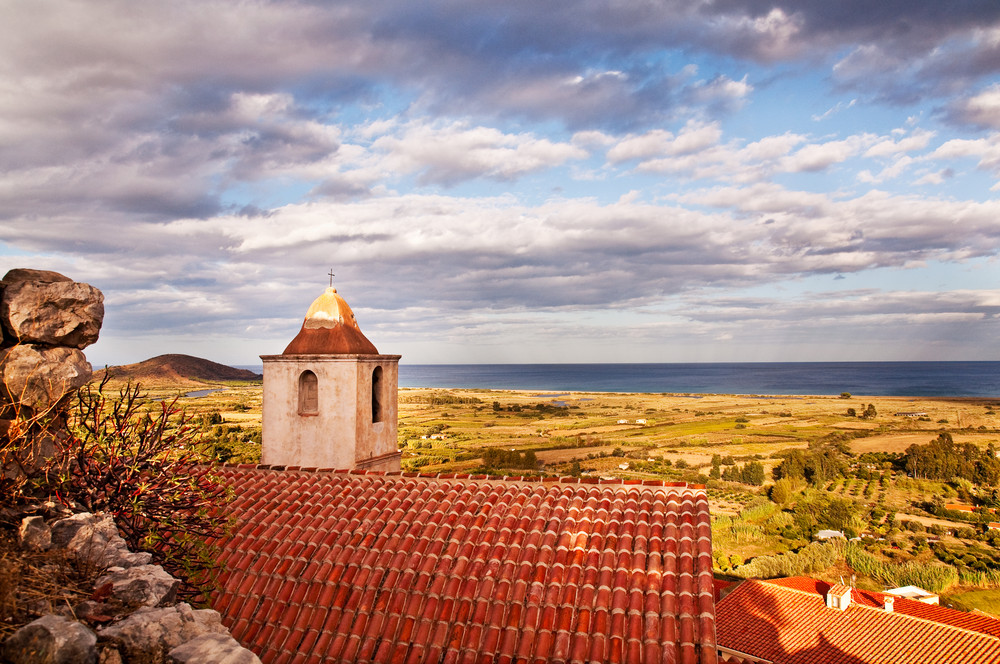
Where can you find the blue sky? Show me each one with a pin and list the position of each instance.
(513, 182)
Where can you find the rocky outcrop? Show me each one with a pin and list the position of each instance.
(95, 541)
(148, 635)
(52, 639)
(134, 604)
(218, 648)
(145, 585)
(41, 307)
(40, 376)
(46, 319)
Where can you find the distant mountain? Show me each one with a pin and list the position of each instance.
(183, 370)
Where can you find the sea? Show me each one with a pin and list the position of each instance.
(908, 379)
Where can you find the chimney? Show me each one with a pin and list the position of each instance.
(838, 597)
(887, 601)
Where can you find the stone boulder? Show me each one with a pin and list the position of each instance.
(40, 376)
(146, 636)
(95, 541)
(52, 639)
(144, 585)
(34, 534)
(212, 649)
(41, 307)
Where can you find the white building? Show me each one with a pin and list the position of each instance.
(330, 397)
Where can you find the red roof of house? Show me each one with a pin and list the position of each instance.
(787, 621)
(329, 566)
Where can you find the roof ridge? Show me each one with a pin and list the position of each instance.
(771, 583)
(925, 620)
(561, 479)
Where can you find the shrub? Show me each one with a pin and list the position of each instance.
(935, 577)
(138, 462)
(781, 491)
(496, 458)
(27, 467)
(814, 557)
(142, 467)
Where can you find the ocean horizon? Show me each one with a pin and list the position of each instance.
(905, 379)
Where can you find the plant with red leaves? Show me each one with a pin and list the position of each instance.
(140, 463)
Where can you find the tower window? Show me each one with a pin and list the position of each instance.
(308, 393)
(377, 394)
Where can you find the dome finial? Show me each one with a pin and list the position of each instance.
(331, 275)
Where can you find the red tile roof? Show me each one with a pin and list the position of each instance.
(787, 621)
(342, 567)
(941, 614)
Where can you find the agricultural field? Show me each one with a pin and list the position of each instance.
(759, 528)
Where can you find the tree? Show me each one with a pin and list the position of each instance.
(845, 395)
(851, 412)
(716, 472)
(752, 473)
(870, 412)
(943, 459)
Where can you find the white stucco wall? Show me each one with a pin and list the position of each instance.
(341, 432)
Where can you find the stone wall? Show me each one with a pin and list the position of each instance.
(133, 616)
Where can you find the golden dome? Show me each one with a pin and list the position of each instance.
(330, 328)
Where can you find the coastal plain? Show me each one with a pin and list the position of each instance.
(679, 437)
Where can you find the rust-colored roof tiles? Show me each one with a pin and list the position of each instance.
(409, 568)
(786, 621)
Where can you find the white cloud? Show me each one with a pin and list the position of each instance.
(820, 156)
(651, 144)
(837, 108)
(890, 172)
(722, 91)
(936, 177)
(986, 150)
(917, 140)
(455, 152)
(982, 109)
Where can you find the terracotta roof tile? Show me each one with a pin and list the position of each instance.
(334, 566)
(787, 621)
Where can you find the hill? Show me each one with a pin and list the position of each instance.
(180, 370)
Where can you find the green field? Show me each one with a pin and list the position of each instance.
(604, 435)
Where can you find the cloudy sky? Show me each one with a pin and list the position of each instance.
(586, 181)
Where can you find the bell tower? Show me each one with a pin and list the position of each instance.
(330, 397)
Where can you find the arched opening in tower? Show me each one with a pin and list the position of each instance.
(377, 394)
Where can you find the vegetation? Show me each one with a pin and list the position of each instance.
(820, 470)
(141, 463)
(751, 473)
(943, 459)
(823, 460)
(814, 557)
(498, 459)
(934, 577)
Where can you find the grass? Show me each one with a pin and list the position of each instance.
(987, 601)
(35, 583)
